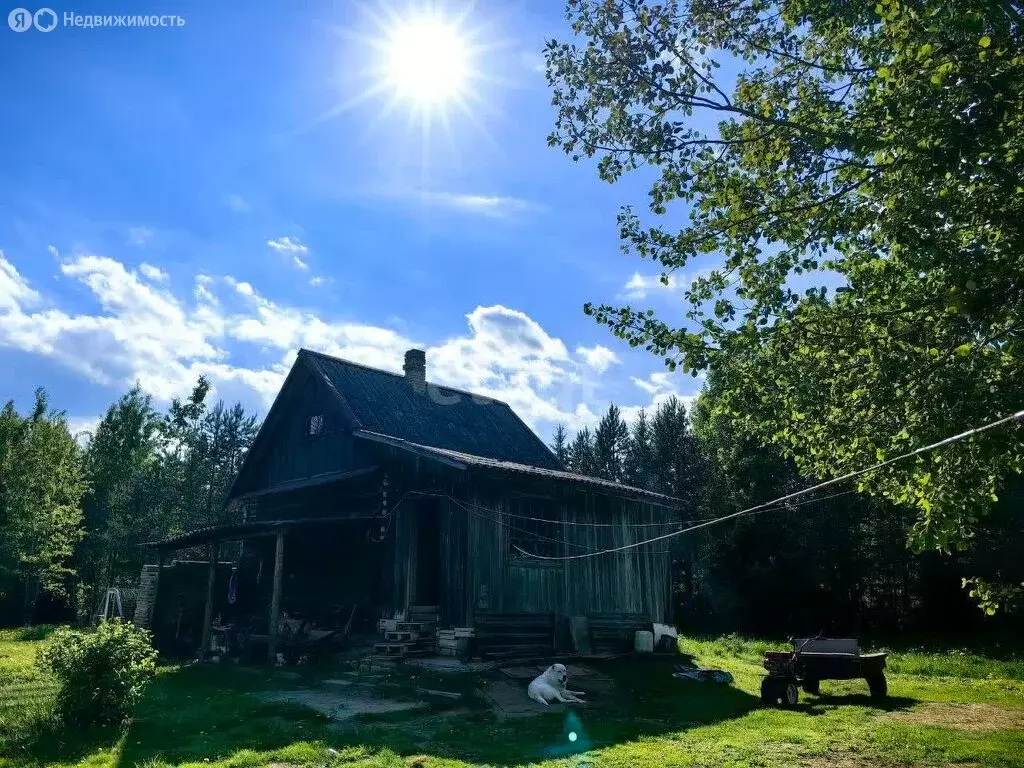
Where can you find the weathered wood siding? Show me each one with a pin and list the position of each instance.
(285, 452)
(357, 497)
(634, 581)
(479, 569)
(453, 545)
(454, 568)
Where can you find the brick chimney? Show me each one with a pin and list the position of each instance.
(416, 369)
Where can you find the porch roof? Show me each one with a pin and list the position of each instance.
(238, 531)
(461, 460)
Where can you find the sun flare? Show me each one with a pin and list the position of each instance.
(429, 66)
(427, 61)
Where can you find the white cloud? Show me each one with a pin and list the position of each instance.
(662, 385)
(639, 286)
(152, 273)
(494, 206)
(140, 235)
(509, 356)
(287, 245)
(140, 331)
(660, 381)
(317, 281)
(292, 247)
(533, 61)
(14, 289)
(237, 204)
(82, 428)
(598, 357)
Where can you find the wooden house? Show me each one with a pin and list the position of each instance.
(369, 495)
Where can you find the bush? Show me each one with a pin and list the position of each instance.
(101, 673)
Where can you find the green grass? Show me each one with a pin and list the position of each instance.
(209, 716)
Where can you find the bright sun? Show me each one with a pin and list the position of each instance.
(427, 61)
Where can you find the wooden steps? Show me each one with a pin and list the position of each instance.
(413, 636)
(515, 635)
(456, 641)
(400, 650)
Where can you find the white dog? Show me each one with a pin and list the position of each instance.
(550, 686)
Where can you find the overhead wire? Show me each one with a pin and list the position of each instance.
(1018, 416)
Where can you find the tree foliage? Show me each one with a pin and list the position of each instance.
(41, 486)
(75, 517)
(155, 475)
(833, 561)
(101, 673)
(851, 173)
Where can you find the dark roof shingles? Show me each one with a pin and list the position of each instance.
(517, 467)
(446, 418)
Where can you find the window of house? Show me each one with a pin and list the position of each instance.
(534, 526)
(315, 425)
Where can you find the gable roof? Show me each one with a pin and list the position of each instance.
(387, 404)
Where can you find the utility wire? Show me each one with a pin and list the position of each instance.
(488, 516)
(1018, 416)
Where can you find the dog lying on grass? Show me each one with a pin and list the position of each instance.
(550, 686)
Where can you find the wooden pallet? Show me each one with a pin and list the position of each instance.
(515, 635)
(401, 650)
(404, 637)
(614, 632)
(413, 626)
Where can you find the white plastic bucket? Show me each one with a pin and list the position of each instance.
(643, 642)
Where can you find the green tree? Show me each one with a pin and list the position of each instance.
(155, 475)
(678, 464)
(560, 444)
(638, 464)
(582, 458)
(610, 444)
(123, 507)
(41, 486)
(854, 170)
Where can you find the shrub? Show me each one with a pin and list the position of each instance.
(101, 673)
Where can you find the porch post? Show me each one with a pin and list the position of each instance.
(275, 598)
(156, 589)
(211, 578)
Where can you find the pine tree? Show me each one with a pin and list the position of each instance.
(581, 454)
(610, 440)
(638, 463)
(560, 444)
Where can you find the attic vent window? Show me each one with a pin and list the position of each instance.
(315, 425)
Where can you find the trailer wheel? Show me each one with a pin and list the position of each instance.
(779, 692)
(877, 686)
(771, 691)
(790, 694)
(812, 685)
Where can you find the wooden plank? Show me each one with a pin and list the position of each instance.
(211, 579)
(275, 598)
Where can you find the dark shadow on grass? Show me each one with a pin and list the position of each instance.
(38, 632)
(46, 741)
(646, 702)
(208, 712)
(817, 705)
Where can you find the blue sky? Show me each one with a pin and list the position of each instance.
(206, 199)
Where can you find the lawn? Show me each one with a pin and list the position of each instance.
(949, 707)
